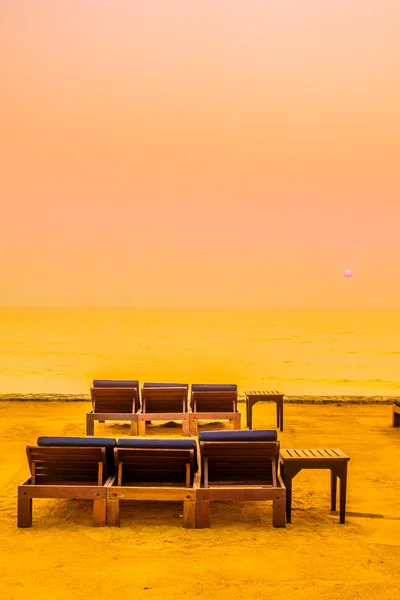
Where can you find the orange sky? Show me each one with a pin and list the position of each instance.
(174, 153)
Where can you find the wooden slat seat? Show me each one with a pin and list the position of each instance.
(239, 467)
(154, 469)
(65, 471)
(113, 400)
(214, 402)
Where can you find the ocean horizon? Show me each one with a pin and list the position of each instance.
(296, 351)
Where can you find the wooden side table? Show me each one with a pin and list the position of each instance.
(253, 397)
(292, 461)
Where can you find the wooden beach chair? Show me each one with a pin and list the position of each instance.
(79, 468)
(240, 466)
(396, 413)
(164, 402)
(113, 400)
(154, 469)
(212, 402)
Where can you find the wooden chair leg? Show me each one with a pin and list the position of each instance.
(100, 512)
(279, 511)
(134, 427)
(333, 489)
(186, 426)
(193, 426)
(24, 512)
(142, 427)
(202, 514)
(237, 421)
(113, 518)
(343, 492)
(89, 425)
(189, 514)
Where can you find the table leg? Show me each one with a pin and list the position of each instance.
(288, 485)
(281, 411)
(333, 489)
(343, 489)
(277, 413)
(250, 415)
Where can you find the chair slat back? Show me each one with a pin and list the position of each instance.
(115, 400)
(157, 466)
(164, 399)
(214, 401)
(68, 465)
(240, 462)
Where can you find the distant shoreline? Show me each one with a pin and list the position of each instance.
(289, 399)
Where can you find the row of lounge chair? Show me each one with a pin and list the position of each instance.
(116, 400)
(225, 465)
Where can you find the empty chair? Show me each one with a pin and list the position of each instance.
(214, 402)
(164, 402)
(80, 468)
(240, 466)
(154, 469)
(113, 400)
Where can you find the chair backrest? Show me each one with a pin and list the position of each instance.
(115, 400)
(156, 462)
(244, 461)
(67, 465)
(96, 442)
(214, 398)
(165, 398)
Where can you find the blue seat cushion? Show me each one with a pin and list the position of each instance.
(397, 402)
(166, 385)
(214, 387)
(160, 443)
(107, 443)
(262, 435)
(115, 383)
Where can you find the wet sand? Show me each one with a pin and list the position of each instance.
(241, 556)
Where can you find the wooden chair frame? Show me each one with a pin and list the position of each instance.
(98, 493)
(186, 494)
(145, 417)
(213, 396)
(275, 491)
(98, 393)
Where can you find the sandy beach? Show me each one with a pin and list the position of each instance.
(241, 556)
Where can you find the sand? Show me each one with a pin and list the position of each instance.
(241, 556)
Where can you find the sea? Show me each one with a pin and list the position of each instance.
(294, 351)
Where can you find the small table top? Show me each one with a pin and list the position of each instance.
(296, 454)
(268, 393)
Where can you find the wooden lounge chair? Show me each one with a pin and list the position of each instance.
(164, 402)
(154, 469)
(80, 468)
(240, 466)
(213, 402)
(113, 400)
(396, 413)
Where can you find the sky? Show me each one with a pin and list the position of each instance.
(239, 153)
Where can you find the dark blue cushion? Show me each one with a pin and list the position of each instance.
(115, 383)
(160, 443)
(166, 385)
(255, 435)
(107, 443)
(397, 402)
(214, 387)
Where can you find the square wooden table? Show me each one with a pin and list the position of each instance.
(293, 460)
(253, 397)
